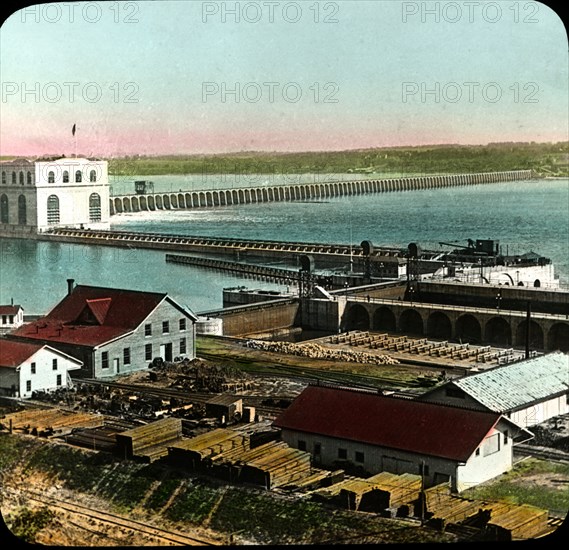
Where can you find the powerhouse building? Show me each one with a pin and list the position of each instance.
(38, 195)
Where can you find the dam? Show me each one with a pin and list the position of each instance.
(183, 200)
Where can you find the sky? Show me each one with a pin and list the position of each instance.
(193, 77)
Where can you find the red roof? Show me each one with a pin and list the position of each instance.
(9, 310)
(404, 424)
(91, 316)
(13, 354)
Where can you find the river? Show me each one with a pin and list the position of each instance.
(522, 216)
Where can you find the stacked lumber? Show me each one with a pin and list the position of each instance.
(196, 450)
(274, 464)
(318, 478)
(149, 442)
(100, 438)
(516, 522)
(50, 421)
(382, 491)
(442, 508)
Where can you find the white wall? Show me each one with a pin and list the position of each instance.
(73, 196)
(45, 377)
(137, 342)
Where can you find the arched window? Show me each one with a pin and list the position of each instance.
(78, 176)
(29, 177)
(4, 178)
(22, 215)
(52, 209)
(51, 177)
(4, 208)
(95, 207)
(65, 176)
(21, 178)
(13, 178)
(92, 176)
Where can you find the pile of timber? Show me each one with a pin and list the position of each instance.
(318, 478)
(99, 439)
(272, 464)
(316, 351)
(149, 442)
(385, 492)
(193, 452)
(497, 521)
(515, 522)
(49, 421)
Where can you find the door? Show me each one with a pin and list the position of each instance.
(166, 351)
(116, 365)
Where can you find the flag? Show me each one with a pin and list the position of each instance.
(73, 130)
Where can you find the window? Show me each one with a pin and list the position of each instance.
(54, 364)
(4, 178)
(148, 352)
(33, 366)
(22, 215)
(29, 178)
(51, 177)
(126, 356)
(58, 380)
(105, 360)
(13, 178)
(317, 448)
(491, 445)
(52, 209)
(506, 434)
(78, 178)
(165, 327)
(28, 385)
(478, 451)
(148, 330)
(4, 319)
(21, 178)
(342, 454)
(183, 324)
(359, 456)
(4, 210)
(301, 445)
(92, 176)
(95, 207)
(11, 319)
(182, 345)
(65, 176)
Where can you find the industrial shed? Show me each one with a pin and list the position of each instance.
(225, 407)
(347, 428)
(528, 392)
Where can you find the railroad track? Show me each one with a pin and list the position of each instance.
(161, 536)
(550, 454)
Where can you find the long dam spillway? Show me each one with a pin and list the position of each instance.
(183, 200)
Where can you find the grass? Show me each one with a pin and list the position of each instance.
(512, 487)
(544, 158)
(268, 363)
(257, 515)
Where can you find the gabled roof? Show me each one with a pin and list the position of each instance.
(519, 384)
(91, 316)
(404, 424)
(14, 353)
(10, 310)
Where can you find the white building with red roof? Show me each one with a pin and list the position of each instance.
(115, 331)
(369, 433)
(26, 368)
(11, 317)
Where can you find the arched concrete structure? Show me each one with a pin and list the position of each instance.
(468, 329)
(411, 322)
(439, 326)
(384, 319)
(498, 331)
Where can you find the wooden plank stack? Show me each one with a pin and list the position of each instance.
(516, 522)
(50, 421)
(149, 442)
(194, 452)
